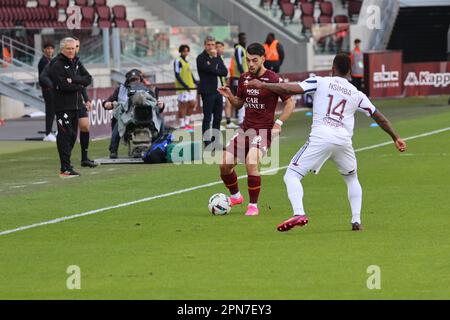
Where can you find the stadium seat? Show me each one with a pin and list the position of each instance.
(81, 3)
(307, 9)
(119, 12)
(62, 4)
(88, 14)
(341, 19)
(100, 3)
(288, 11)
(104, 24)
(124, 24)
(139, 23)
(104, 13)
(324, 20)
(326, 8)
(44, 3)
(354, 6)
(307, 23)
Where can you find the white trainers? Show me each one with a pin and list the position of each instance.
(232, 125)
(50, 138)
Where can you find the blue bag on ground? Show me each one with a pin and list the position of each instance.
(158, 150)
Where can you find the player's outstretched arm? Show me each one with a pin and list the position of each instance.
(278, 88)
(386, 125)
(235, 101)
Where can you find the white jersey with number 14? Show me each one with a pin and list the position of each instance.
(335, 102)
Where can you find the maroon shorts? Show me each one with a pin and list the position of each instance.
(243, 141)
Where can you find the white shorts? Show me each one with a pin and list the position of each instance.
(312, 156)
(187, 96)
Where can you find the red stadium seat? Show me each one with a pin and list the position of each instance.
(104, 24)
(124, 24)
(62, 4)
(104, 13)
(88, 14)
(139, 23)
(307, 9)
(100, 3)
(288, 11)
(307, 23)
(119, 12)
(354, 6)
(341, 19)
(326, 9)
(44, 3)
(81, 3)
(325, 20)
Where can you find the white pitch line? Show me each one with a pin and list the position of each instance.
(39, 182)
(165, 195)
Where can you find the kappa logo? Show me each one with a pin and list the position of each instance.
(66, 67)
(66, 116)
(257, 140)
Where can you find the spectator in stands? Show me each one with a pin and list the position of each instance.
(210, 67)
(120, 95)
(220, 47)
(357, 58)
(69, 77)
(239, 64)
(274, 53)
(185, 84)
(47, 92)
(83, 123)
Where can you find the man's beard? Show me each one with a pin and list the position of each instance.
(257, 71)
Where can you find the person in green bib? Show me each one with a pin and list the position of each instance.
(185, 84)
(239, 67)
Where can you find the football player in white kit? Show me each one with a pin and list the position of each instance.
(335, 103)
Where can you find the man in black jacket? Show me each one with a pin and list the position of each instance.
(210, 67)
(47, 92)
(69, 77)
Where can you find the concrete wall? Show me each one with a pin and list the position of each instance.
(11, 109)
(257, 28)
(167, 13)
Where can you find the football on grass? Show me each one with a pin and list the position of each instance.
(219, 204)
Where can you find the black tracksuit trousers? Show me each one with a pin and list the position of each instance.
(67, 122)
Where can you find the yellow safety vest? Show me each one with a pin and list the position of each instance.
(236, 72)
(185, 75)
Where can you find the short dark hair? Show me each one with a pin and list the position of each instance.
(342, 63)
(183, 47)
(49, 45)
(242, 34)
(220, 43)
(357, 41)
(256, 49)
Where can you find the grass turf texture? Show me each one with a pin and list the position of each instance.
(172, 248)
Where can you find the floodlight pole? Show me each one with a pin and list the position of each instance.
(106, 49)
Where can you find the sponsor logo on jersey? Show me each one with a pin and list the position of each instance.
(257, 140)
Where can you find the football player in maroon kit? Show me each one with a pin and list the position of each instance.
(252, 141)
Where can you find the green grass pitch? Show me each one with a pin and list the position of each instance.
(172, 248)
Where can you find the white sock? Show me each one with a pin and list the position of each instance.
(236, 195)
(253, 205)
(182, 123)
(241, 115)
(354, 196)
(187, 119)
(294, 188)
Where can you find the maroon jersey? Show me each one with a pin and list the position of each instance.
(259, 104)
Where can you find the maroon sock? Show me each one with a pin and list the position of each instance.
(254, 186)
(231, 182)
